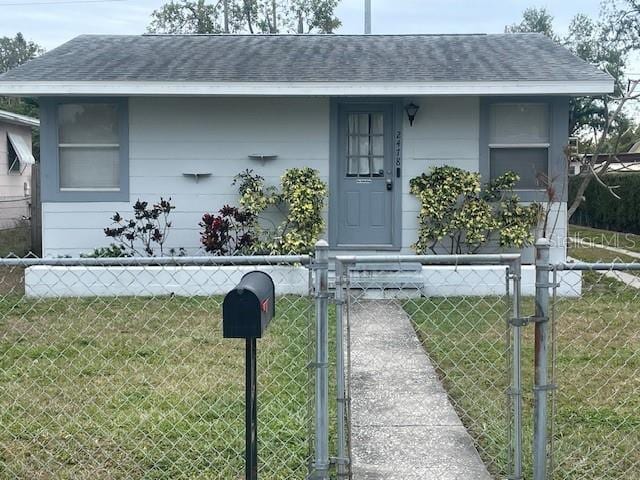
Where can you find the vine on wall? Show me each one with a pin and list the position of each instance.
(300, 201)
(455, 211)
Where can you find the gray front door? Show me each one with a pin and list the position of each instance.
(365, 175)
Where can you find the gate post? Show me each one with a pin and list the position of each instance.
(516, 372)
(321, 264)
(541, 379)
(341, 461)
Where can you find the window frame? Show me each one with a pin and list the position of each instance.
(50, 153)
(371, 157)
(11, 170)
(558, 125)
(528, 146)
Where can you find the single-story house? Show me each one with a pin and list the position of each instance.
(128, 117)
(16, 159)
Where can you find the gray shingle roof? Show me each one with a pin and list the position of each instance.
(308, 58)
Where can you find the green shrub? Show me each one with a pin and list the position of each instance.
(601, 210)
(456, 211)
(300, 199)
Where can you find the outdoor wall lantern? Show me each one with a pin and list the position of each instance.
(411, 110)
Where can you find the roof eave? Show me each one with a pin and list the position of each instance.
(160, 88)
(17, 119)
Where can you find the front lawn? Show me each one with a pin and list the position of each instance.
(628, 241)
(146, 388)
(597, 429)
(594, 255)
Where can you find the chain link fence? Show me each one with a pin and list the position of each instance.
(595, 366)
(116, 368)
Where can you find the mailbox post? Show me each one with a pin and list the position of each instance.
(247, 310)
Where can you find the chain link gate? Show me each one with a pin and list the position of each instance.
(465, 310)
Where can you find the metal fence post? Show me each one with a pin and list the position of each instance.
(321, 463)
(516, 380)
(541, 386)
(342, 460)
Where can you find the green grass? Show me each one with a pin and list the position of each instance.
(628, 241)
(593, 254)
(146, 388)
(597, 428)
(15, 241)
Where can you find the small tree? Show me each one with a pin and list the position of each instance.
(229, 233)
(146, 231)
(594, 168)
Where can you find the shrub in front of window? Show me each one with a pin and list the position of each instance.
(145, 234)
(459, 214)
(230, 232)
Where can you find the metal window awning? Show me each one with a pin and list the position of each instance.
(23, 150)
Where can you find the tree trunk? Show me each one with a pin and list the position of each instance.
(225, 7)
(247, 13)
(274, 14)
(300, 23)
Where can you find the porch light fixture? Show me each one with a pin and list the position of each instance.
(411, 110)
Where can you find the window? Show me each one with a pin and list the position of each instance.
(12, 157)
(519, 141)
(89, 147)
(19, 152)
(365, 145)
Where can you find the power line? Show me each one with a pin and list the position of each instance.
(56, 2)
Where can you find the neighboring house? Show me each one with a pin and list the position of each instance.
(16, 160)
(128, 117)
(624, 162)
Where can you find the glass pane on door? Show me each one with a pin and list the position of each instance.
(365, 144)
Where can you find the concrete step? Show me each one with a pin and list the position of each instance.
(387, 276)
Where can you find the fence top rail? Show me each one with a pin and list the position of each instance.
(158, 261)
(453, 260)
(597, 266)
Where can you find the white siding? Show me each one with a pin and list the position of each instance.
(172, 136)
(445, 132)
(14, 204)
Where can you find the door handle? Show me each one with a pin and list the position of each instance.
(389, 184)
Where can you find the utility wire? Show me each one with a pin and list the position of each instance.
(56, 2)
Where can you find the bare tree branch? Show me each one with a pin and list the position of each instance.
(603, 136)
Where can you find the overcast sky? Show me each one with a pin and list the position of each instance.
(52, 24)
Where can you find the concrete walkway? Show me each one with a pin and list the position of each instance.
(404, 427)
